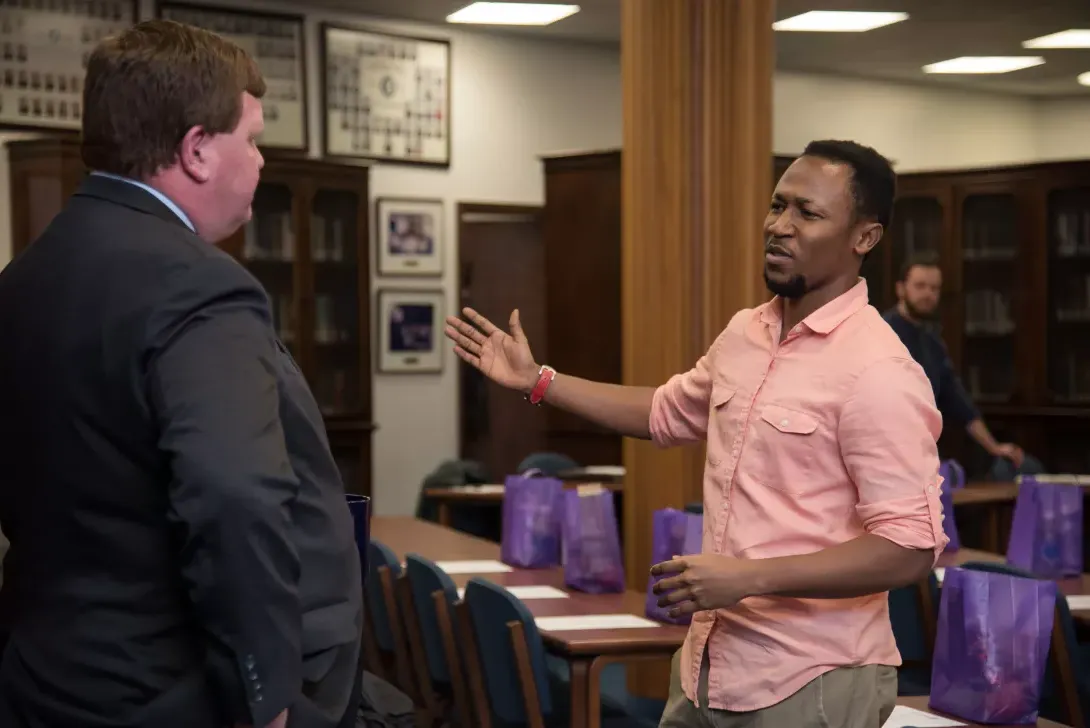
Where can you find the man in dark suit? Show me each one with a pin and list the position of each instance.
(181, 552)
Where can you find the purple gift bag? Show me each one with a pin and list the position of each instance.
(591, 545)
(991, 647)
(1046, 533)
(531, 528)
(953, 477)
(674, 533)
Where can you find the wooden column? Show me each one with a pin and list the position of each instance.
(697, 87)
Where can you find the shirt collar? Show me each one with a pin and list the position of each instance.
(155, 193)
(826, 318)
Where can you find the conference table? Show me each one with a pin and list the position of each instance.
(587, 651)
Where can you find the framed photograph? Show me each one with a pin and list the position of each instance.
(276, 43)
(385, 97)
(410, 237)
(410, 326)
(44, 48)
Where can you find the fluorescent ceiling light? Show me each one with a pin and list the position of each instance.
(1084, 78)
(1064, 39)
(984, 64)
(512, 13)
(838, 21)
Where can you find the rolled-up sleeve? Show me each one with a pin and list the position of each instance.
(679, 409)
(888, 434)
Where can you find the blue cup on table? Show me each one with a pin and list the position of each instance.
(360, 508)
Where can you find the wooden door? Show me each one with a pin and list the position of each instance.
(501, 268)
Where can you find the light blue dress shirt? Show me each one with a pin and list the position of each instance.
(158, 195)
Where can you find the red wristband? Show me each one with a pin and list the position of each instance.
(544, 379)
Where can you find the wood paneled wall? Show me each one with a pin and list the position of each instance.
(697, 95)
(582, 233)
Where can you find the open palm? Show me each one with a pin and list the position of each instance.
(504, 358)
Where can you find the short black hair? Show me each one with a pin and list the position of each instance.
(923, 259)
(874, 183)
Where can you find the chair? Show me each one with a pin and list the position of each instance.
(438, 660)
(1066, 696)
(511, 682)
(381, 595)
(913, 611)
(549, 463)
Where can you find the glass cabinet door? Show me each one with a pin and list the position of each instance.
(990, 275)
(334, 246)
(1069, 295)
(269, 252)
(917, 227)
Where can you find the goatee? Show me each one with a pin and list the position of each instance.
(794, 287)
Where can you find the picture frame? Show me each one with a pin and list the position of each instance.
(409, 237)
(385, 97)
(410, 330)
(44, 49)
(277, 41)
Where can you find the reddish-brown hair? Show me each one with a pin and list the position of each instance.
(149, 85)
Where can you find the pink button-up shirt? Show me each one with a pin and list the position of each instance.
(812, 442)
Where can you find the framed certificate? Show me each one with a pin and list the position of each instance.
(276, 43)
(410, 330)
(386, 97)
(44, 48)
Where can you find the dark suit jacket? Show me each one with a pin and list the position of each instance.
(182, 555)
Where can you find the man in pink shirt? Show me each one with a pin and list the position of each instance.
(821, 487)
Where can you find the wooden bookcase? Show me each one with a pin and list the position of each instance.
(1015, 249)
(308, 245)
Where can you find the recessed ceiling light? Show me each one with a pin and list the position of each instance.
(1064, 39)
(837, 21)
(512, 13)
(984, 64)
(1084, 78)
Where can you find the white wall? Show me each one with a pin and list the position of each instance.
(516, 99)
(920, 128)
(1063, 129)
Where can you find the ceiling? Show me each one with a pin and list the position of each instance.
(936, 30)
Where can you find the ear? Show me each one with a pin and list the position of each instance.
(194, 154)
(869, 235)
(900, 289)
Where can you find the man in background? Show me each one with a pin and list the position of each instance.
(182, 555)
(914, 318)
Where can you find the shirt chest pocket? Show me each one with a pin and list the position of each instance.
(783, 447)
(722, 423)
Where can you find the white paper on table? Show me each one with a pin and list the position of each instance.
(605, 471)
(579, 622)
(530, 592)
(1078, 602)
(473, 567)
(904, 717)
(940, 573)
(486, 489)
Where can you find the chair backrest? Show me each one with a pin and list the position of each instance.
(379, 555)
(549, 463)
(491, 608)
(912, 628)
(1054, 704)
(426, 578)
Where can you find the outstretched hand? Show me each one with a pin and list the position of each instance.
(504, 358)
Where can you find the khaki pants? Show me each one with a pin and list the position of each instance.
(848, 697)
